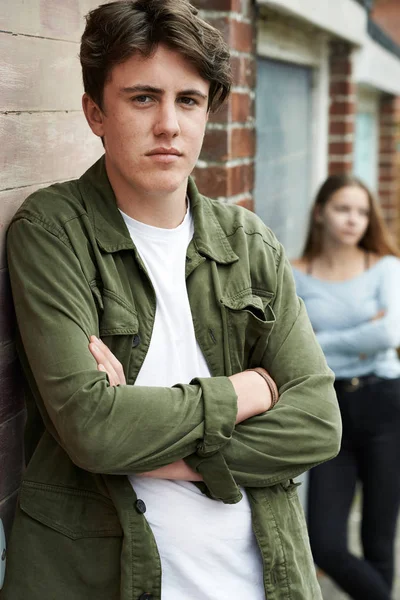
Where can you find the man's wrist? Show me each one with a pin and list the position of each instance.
(253, 397)
(270, 383)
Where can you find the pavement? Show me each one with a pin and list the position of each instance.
(329, 589)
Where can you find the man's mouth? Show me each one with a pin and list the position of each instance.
(162, 150)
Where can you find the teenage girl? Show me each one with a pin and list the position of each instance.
(349, 279)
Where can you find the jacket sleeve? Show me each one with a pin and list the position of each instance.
(304, 428)
(104, 429)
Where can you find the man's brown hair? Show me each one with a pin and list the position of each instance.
(117, 30)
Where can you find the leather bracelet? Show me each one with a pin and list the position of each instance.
(270, 383)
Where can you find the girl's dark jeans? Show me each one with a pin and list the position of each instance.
(370, 454)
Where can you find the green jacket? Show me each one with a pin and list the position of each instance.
(80, 532)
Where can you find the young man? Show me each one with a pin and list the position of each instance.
(175, 483)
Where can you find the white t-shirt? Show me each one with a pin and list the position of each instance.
(208, 549)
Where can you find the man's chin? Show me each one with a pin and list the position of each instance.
(166, 183)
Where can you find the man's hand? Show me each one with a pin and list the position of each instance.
(254, 395)
(178, 470)
(254, 398)
(107, 362)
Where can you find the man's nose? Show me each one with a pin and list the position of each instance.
(167, 122)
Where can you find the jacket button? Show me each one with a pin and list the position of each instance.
(135, 340)
(141, 508)
(146, 596)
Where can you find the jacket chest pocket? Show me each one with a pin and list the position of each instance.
(250, 320)
(118, 324)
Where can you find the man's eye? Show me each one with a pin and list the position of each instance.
(142, 99)
(187, 101)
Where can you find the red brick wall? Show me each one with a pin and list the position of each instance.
(397, 171)
(341, 109)
(226, 166)
(389, 113)
(386, 13)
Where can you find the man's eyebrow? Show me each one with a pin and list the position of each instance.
(193, 92)
(142, 88)
(153, 90)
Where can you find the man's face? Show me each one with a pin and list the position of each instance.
(153, 124)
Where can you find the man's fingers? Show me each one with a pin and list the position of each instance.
(112, 375)
(97, 353)
(118, 368)
(106, 361)
(103, 363)
(109, 356)
(104, 370)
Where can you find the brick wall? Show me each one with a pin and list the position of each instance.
(226, 166)
(389, 117)
(43, 138)
(397, 172)
(341, 109)
(386, 14)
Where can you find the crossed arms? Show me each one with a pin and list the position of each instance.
(253, 398)
(118, 430)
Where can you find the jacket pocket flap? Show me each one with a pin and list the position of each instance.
(76, 514)
(247, 300)
(116, 317)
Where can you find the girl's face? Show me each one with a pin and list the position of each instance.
(345, 216)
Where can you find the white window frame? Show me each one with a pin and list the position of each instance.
(368, 100)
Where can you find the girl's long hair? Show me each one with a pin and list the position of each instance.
(376, 238)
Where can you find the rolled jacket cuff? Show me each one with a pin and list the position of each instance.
(220, 411)
(217, 477)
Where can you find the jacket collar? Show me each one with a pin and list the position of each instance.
(112, 234)
(109, 227)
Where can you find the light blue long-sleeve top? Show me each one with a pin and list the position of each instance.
(341, 313)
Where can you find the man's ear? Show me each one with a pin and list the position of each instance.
(94, 115)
